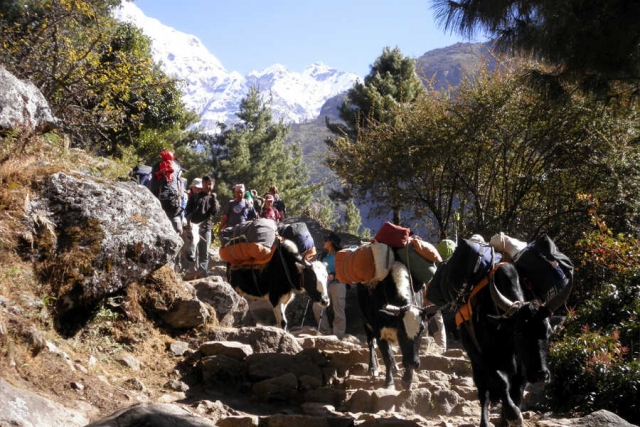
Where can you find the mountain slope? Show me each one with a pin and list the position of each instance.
(215, 93)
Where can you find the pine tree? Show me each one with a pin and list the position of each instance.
(594, 43)
(392, 82)
(254, 154)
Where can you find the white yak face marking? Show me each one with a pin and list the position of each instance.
(412, 322)
(400, 275)
(322, 277)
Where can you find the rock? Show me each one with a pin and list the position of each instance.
(284, 387)
(232, 349)
(231, 309)
(415, 401)
(595, 419)
(306, 421)
(135, 384)
(111, 234)
(327, 395)
(271, 365)
(154, 414)
(239, 421)
(263, 339)
(178, 348)
(361, 401)
(23, 105)
(21, 408)
(185, 314)
(221, 370)
(176, 385)
(130, 361)
(384, 399)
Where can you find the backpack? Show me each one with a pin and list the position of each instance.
(298, 232)
(169, 192)
(279, 204)
(543, 269)
(141, 174)
(454, 279)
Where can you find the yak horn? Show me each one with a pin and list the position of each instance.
(503, 303)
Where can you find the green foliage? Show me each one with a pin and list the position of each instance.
(96, 73)
(595, 364)
(323, 210)
(353, 221)
(254, 153)
(391, 84)
(494, 155)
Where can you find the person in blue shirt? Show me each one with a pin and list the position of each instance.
(237, 210)
(337, 291)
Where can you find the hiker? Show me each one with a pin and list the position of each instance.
(277, 202)
(237, 210)
(195, 187)
(445, 249)
(202, 206)
(269, 211)
(337, 291)
(167, 186)
(258, 202)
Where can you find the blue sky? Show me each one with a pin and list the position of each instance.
(349, 35)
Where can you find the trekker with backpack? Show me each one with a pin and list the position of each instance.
(237, 210)
(201, 207)
(167, 186)
(141, 174)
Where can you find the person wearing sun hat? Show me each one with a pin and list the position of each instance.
(269, 211)
(337, 291)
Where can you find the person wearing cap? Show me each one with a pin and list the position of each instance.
(237, 210)
(201, 207)
(269, 211)
(337, 291)
(445, 248)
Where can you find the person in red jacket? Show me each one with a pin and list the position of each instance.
(269, 211)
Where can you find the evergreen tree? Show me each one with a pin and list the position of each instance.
(594, 43)
(392, 82)
(253, 153)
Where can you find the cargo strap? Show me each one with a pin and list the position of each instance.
(465, 311)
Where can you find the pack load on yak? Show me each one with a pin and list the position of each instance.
(367, 264)
(249, 243)
(454, 280)
(421, 258)
(543, 269)
(298, 233)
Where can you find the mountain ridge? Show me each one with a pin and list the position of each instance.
(215, 93)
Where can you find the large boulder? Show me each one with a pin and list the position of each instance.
(22, 104)
(21, 408)
(97, 237)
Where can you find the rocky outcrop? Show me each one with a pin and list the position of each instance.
(22, 105)
(97, 237)
(23, 408)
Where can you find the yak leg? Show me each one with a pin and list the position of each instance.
(279, 309)
(485, 401)
(389, 363)
(371, 344)
(510, 411)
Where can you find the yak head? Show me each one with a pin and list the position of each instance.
(313, 276)
(529, 322)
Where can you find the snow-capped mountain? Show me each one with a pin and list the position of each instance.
(215, 93)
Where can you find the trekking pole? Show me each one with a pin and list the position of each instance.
(320, 319)
(305, 312)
